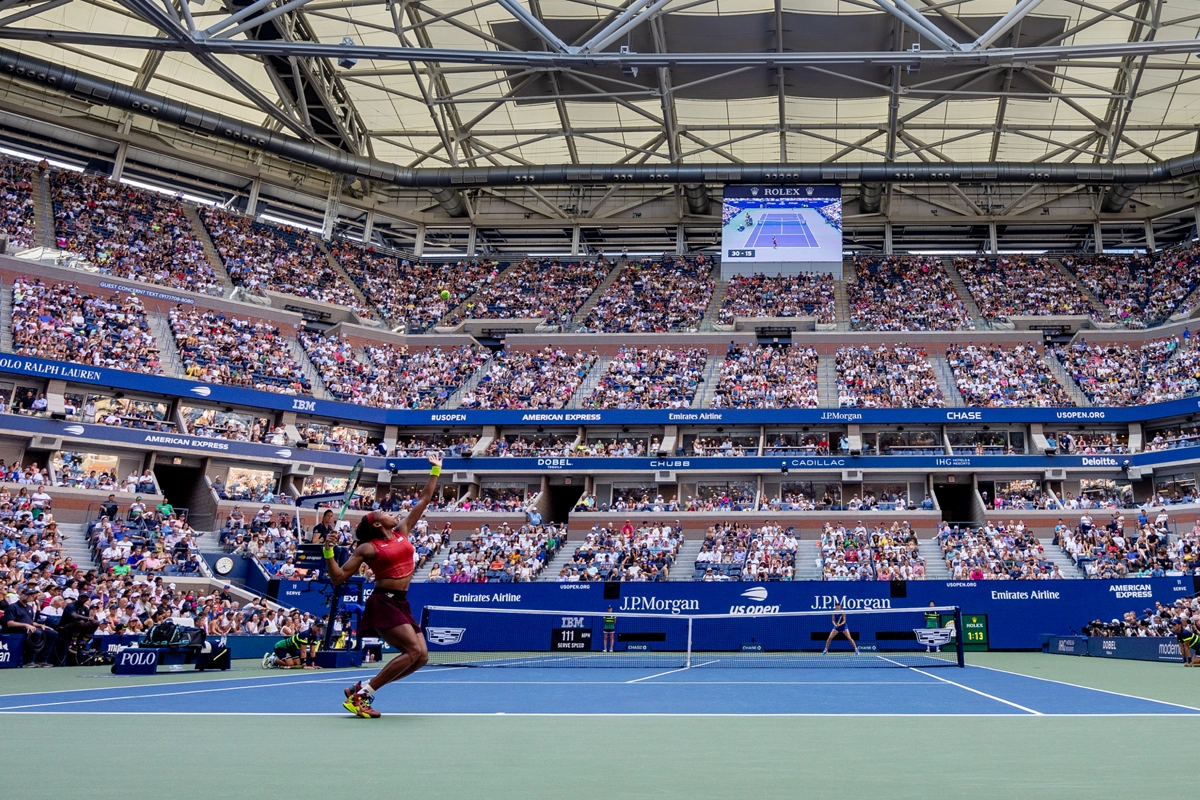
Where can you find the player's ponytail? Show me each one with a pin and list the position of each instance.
(368, 528)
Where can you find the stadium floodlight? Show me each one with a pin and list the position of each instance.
(347, 61)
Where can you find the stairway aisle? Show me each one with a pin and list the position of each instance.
(6, 309)
(594, 297)
(168, 351)
(685, 560)
(43, 213)
(210, 249)
(945, 377)
(1055, 554)
(827, 391)
(584, 390)
(807, 554)
(1064, 378)
(960, 286)
(935, 565)
(310, 370)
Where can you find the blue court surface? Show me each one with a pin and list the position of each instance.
(704, 690)
(782, 229)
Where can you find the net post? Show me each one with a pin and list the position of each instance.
(688, 663)
(958, 635)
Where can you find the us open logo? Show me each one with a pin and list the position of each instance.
(445, 636)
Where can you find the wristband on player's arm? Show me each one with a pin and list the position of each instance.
(435, 470)
(327, 552)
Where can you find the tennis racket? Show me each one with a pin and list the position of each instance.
(351, 485)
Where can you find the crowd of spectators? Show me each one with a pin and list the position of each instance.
(280, 258)
(148, 540)
(654, 296)
(883, 553)
(1139, 290)
(808, 294)
(1114, 549)
(130, 233)
(1171, 438)
(1153, 622)
(644, 378)
(740, 551)
(493, 499)
(991, 376)
(59, 321)
(1090, 443)
(231, 351)
(409, 294)
(417, 445)
(536, 446)
(1021, 286)
(643, 553)
(390, 377)
(535, 288)
(544, 378)
(1126, 375)
(995, 551)
(768, 377)
(891, 293)
(504, 554)
(886, 377)
(16, 201)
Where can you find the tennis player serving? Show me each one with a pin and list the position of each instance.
(383, 545)
(839, 627)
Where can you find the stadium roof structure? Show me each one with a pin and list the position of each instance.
(955, 122)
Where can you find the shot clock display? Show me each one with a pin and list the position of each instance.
(975, 632)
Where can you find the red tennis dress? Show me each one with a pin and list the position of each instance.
(389, 608)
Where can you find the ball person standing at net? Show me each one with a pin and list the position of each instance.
(839, 626)
(610, 630)
(384, 545)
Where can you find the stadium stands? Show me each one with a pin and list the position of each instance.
(643, 553)
(768, 377)
(216, 348)
(737, 551)
(544, 378)
(280, 258)
(996, 551)
(1139, 290)
(803, 295)
(16, 202)
(1021, 286)
(502, 554)
(1124, 375)
(904, 294)
(130, 233)
(408, 294)
(61, 322)
(998, 377)
(886, 377)
(653, 297)
(549, 290)
(390, 377)
(644, 378)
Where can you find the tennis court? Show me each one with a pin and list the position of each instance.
(787, 229)
(1003, 723)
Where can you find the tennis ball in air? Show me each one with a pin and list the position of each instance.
(445, 294)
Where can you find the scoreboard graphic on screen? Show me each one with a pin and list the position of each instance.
(780, 224)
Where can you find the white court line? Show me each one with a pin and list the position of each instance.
(672, 671)
(1089, 688)
(967, 688)
(493, 714)
(149, 695)
(278, 677)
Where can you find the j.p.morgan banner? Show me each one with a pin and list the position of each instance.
(1019, 613)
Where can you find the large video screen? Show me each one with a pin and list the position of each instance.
(780, 224)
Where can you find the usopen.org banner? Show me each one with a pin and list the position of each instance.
(78, 433)
(231, 395)
(1019, 613)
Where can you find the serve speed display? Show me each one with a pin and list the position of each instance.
(574, 639)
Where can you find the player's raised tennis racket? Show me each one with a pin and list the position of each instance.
(351, 485)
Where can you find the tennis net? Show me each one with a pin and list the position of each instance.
(495, 637)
